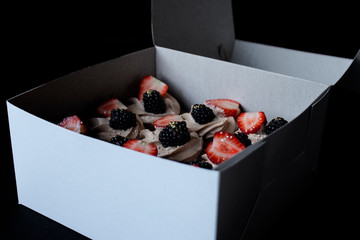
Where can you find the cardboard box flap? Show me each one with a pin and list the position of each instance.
(351, 78)
(203, 27)
(311, 66)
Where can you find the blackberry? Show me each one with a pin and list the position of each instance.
(274, 124)
(153, 102)
(118, 140)
(202, 114)
(243, 138)
(122, 119)
(201, 163)
(174, 134)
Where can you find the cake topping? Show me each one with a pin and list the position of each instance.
(174, 134)
(244, 139)
(230, 107)
(274, 124)
(150, 82)
(74, 124)
(105, 108)
(122, 119)
(251, 122)
(202, 114)
(201, 163)
(153, 102)
(141, 146)
(118, 140)
(170, 135)
(223, 147)
(164, 121)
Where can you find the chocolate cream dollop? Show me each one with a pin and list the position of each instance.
(207, 130)
(184, 153)
(99, 128)
(137, 107)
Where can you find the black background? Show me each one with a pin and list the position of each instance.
(41, 43)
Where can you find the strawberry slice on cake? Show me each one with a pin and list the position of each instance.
(251, 122)
(141, 146)
(150, 82)
(105, 108)
(224, 146)
(74, 124)
(230, 107)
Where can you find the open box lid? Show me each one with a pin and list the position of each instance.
(203, 27)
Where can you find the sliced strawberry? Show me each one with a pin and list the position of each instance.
(251, 122)
(150, 82)
(230, 107)
(105, 108)
(223, 147)
(73, 123)
(164, 121)
(141, 146)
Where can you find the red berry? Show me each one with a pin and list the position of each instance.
(105, 108)
(74, 124)
(141, 146)
(251, 122)
(150, 82)
(230, 107)
(223, 147)
(164, 121)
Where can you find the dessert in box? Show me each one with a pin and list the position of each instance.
(104, 191)
(152, 124)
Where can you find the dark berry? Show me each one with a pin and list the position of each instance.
(174, 134)
(202, 114)
(153, 102)
(201, 163)
(118, 140)
(274, 124)
(244, 139)
(122, 119)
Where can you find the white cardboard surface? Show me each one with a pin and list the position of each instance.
(107, 192)
(256, 90)
(315, 67)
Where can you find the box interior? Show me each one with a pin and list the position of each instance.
(194, 79)
(191, 78)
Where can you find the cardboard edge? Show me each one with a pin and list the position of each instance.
(9, 107)
(316, 128)
(351, 78)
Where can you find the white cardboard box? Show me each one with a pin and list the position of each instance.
(106, 192)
